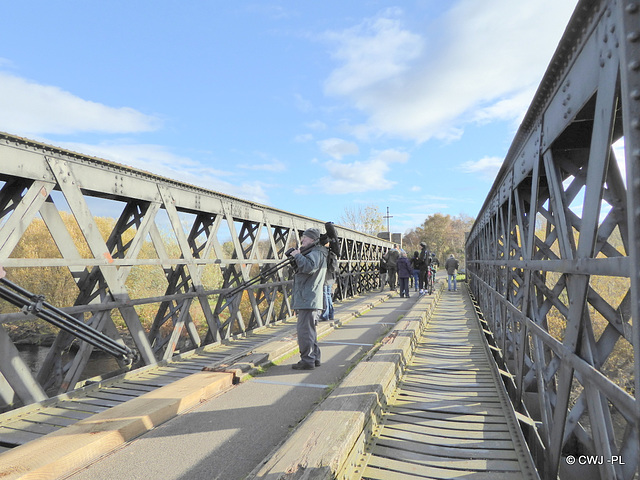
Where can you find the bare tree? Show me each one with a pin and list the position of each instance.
(365, 219)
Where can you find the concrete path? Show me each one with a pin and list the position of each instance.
(227, 436)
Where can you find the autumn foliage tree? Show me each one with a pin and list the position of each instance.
(443, 235)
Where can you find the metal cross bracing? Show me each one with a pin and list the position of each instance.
(197, 244)
(554, 255)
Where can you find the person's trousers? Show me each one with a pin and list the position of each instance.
(393, 273)
(383, 280)
(327, 303)
(307, 336)
(404, 287)
(423, 279)
(416, 278)
(455, 281)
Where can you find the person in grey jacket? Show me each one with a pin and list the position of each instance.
(308, 283)
(451, 265)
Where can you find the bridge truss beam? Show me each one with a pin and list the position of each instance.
(197, 243)
(554, 255)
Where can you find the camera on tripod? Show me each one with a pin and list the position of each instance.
(330, 236)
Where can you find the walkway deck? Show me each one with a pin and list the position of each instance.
(450, 417)
(426, 389)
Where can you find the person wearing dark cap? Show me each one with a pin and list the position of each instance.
(424, 262)
(308, 283)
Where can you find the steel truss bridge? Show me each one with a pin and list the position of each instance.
(560, 225)
(562, 221)
(189, 235)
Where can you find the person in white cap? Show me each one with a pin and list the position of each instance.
(308, 284)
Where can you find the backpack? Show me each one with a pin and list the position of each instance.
(332, 263)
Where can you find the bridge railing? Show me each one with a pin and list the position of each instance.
(554, 256)
(186, 245)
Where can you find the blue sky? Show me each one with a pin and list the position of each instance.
(309, 107)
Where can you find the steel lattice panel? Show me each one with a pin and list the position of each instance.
(560, 218)
(186, 234)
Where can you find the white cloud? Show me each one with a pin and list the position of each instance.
(317, 125)
(371, 53)
(30, 109)
(303, 138)
(159, 161)
(486, 55)
(270, 166)
(487, 167)
(361, 176)
(338, 148)
(302, 103)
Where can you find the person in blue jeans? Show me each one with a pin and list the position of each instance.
(415, 270)
(329, 281)
(451, 265)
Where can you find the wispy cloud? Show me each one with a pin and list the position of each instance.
(160, 161)
(361, 176)
(338, 148)
(30, 109)
(470, 66)
(487, 167)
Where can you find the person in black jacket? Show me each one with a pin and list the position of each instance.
(404, 272)
(424, 261)
(392, 265)
(383, 273)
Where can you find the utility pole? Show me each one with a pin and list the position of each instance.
(388, 227)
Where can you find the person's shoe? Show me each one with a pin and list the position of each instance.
(317, 363)
(302, 366)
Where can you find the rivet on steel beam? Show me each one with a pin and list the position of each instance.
(632, 8)
(635, 94)
(633, 36)
(635, 123)
(635, 65)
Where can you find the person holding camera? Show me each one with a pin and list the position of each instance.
(308, 283)
(391, 258)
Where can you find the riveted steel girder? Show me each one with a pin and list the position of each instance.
(554, 255)
(155, 273)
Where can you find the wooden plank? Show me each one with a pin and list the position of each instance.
(415, 393)
(444, 451)
(137, 386)
(64, 412)
(442, 415)
(39, 428)
(40, 417)
(81, 405)
(106, 395)
(440, 431)
(389, 431)
(9, 436)
(421, 471)
(451, 407)
(447, 423)
(59, 452)
(446, 419)
(491, 464)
